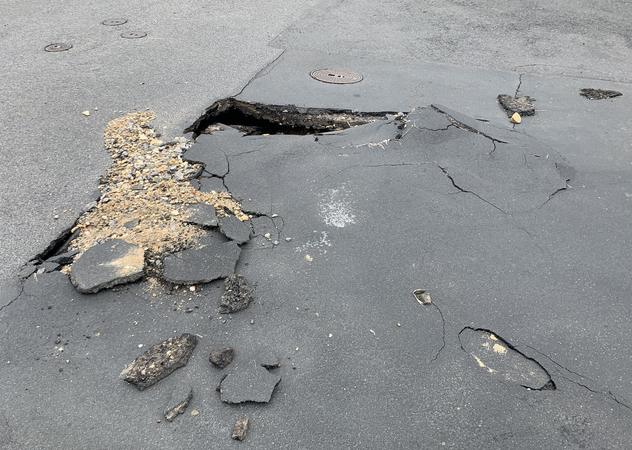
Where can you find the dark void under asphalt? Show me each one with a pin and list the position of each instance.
(525, 343)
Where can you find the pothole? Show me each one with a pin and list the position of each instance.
(499, 358)
(259, 118)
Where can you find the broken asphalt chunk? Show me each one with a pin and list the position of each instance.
(422, 296)
(237, 294)
(268, 359)
(108, 264)
(234, 229)
(221, 357)
(240, 429)
(212, 259)
(63, 258)
(180, 407)
(159, 361)
(598, 94)
(203, 215)
(499, 358)
(522, 105)
(251, 384)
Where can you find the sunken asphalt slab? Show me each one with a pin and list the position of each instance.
(551, 280)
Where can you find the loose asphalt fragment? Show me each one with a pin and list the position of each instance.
(202, 214)
(237, 294)
(240, 429)
(212, 258)
(268, 359)
(235, 229)
(254, 383)
(599, 94)
(159, 361)
(183, 396)
(522, 105)
(422, 296)
(221, 357)
(499, 358)
(108, 264)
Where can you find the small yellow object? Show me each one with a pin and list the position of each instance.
(86, 113)
(195, 412)
(308, 258)
(515, 118)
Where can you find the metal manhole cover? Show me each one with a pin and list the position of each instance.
(336, 76)
(113, 22)
(58, 47)
(133, 34)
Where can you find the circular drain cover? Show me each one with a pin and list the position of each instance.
(113, 22)
(133, 34)
(58, 47)
(336, 76)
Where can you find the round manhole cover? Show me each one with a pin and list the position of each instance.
(113, 22)
(133, 34)
(58, 47)
(336, 76)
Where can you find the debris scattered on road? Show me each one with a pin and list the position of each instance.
(85, 113)
(221, 357)
(522, 105)
(422, 296)
(240, 429)
(237, 295)
(211, 259)
(146, 192)
(515, 118)
(159, 361)
(108, 264)
(498, 357)
(194, 412)
(251, 384)
(599, 94)
(235, 229)
(309, 258)
(180, 407)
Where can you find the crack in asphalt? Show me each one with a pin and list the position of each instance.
(10, 302)
(608, 393)
(519, 84)
(443, 332)
(466, 127)
(447, 174)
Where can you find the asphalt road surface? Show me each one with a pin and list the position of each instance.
(521, 234)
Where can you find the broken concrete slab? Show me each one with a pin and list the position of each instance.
(234, 229)
(522, 105)
(221, 357)
(253, 383)
(237, 294)
(599, 94)
(240, 429)
(202, 214)
(182, 395)
(160, 361)
(499, 358)
(108, 264)
(213, 258)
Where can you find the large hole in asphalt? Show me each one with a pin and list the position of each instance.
(259, 118)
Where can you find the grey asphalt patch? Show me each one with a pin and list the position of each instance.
(203, 215)
(253, 383)
(235, 229)
(212, 258)
(108, 264)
